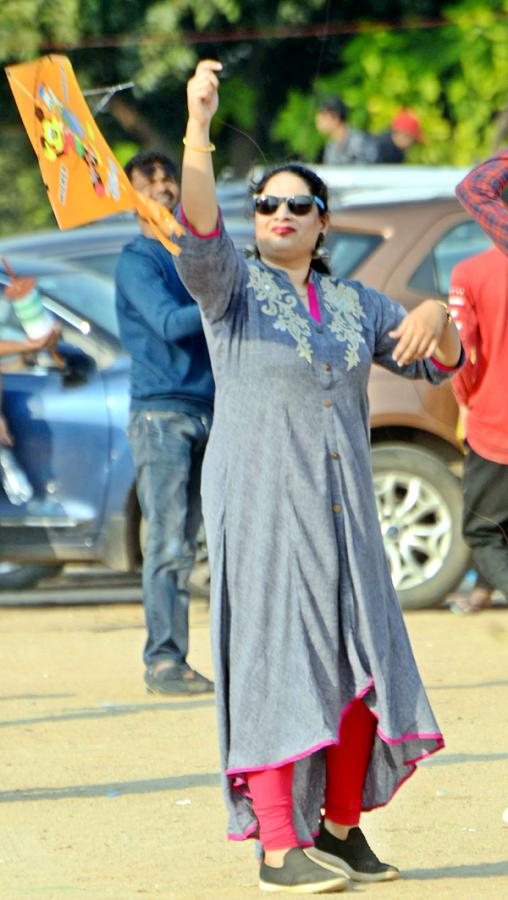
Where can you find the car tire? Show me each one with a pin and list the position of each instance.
(419, 504)
(16, 576)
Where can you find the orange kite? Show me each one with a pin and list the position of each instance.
(83, 179)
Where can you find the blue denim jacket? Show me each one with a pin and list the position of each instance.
(160, 327)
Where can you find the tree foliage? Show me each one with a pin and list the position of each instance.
(453, 75)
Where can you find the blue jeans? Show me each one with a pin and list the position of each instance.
(168, 450)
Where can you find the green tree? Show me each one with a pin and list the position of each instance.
(454, 76)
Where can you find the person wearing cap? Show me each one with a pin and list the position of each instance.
(345, 146)
(392, 145)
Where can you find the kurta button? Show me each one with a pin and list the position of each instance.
(336, 508)
(319, 329)
(327, 404)
(334, 455)
(327, 367)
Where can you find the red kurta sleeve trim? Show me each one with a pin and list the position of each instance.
(193, 231)
(439, 365)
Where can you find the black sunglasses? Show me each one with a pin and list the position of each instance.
(299, 205)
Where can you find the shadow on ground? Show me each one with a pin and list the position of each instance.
(113, 789)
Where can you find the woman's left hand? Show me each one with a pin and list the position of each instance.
(419, 333)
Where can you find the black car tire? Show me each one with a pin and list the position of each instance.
(420, 510)
(16, 576)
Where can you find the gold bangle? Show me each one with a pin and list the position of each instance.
(208, 149)
(449, 317)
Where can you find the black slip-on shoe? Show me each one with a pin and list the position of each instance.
(177, 680)
(352, 856)
(300, 875)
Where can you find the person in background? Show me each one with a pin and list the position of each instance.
(320, 704)
(481, 192)
(479, 304)
(14, 348)
(404, 131)
(171, 411)
(345, 146)
(10, 347)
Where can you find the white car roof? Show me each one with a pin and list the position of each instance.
(355, 185)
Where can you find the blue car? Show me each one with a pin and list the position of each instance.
(69, 425)
(69, 430)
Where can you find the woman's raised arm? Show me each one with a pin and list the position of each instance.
(199, 201)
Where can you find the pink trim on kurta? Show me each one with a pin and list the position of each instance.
(313, 302)
(443, 368)
(236, 772)
(193, 231)
(251, 832)
(240, 783)
(435, 736)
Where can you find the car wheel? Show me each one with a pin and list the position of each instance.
(15, 576)
(419, 505)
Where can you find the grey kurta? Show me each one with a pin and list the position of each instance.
(304, 614)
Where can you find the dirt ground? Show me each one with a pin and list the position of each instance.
(113, 794)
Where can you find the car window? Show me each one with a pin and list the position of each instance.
(348, 249)
(11, 330)
(434, 272)
(101, 263)
(87, 294)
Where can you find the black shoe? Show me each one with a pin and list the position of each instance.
(299, 875)
(352, 856)
(177, 680)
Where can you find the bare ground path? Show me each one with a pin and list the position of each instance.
(109, 793)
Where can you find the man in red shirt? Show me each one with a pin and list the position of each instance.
(479, 305)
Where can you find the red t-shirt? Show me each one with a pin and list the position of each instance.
(479, 305)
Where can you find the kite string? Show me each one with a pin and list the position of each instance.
(324, 38)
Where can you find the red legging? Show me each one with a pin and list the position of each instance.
(346, 763)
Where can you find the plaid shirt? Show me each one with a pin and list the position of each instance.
(480, 192)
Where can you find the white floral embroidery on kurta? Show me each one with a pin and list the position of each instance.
(343, 303)
(281, 304)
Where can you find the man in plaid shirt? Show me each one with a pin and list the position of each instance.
(481, 193)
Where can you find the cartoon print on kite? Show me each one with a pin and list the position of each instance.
(63, 134)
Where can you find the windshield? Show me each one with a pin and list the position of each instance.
(88, 295)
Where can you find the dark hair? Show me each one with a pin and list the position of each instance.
(147, 160)
(334, 105)
(316, 186)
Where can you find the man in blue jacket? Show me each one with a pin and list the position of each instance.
(171, 410)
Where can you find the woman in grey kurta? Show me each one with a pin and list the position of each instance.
(304, 615)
